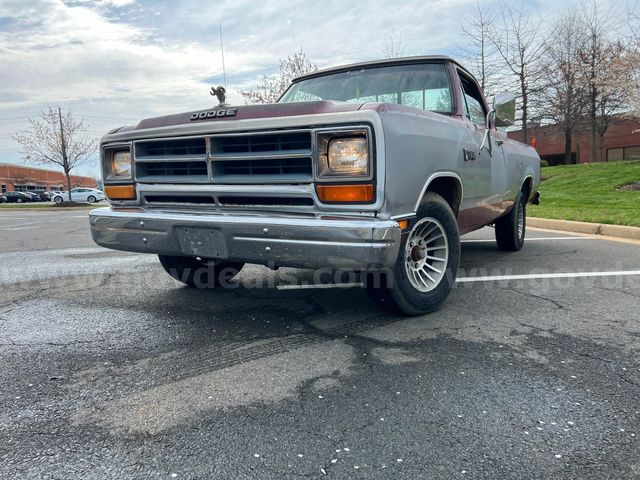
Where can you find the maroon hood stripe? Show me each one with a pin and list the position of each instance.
(246, 112)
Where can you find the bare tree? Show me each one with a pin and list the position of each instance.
(601, 62)
(56, 139)
(273, 86)
(393, 46)
(518, 42)
(563, 99)
(478, 51)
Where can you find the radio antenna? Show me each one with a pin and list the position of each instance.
(224, 72)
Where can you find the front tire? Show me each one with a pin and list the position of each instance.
(200, 274)
(58, 200)
(511, 229)
(427, 264)
(91, 199)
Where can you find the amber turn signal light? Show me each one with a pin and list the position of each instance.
(120, 192)
(404, 224)
(361, 193)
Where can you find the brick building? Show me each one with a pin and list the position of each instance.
(21, 178)
(621, 142)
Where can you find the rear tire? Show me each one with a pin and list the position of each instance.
(200, 273)
(511, 229)
(19, 200)
(427, 264)
(58, 200)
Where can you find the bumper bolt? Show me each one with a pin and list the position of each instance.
(265, 231)
(267, 249)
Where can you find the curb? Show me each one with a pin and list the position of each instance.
(584, 227)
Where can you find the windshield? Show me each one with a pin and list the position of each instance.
(425, 86)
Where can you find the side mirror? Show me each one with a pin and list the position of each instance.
(504, 106)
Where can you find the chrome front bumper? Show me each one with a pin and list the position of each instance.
(268, 239)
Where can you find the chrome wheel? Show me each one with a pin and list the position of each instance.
(426, 254)
(520, 221)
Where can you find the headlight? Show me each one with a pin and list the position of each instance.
(343, 154)
(348, 155)
(119, 163)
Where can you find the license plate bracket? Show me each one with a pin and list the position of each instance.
(202, 242)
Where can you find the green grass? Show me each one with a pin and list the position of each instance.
(587, 193)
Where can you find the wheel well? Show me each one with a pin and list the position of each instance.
(526, 188)
(448, 188)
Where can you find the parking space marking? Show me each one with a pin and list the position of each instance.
(21, 228)
(539, 276)
(488, 278)
(530, 239)
(321, 286)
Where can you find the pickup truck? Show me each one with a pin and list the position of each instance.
(376, 168)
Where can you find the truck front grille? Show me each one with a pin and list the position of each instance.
(257, 157)
(270, 157)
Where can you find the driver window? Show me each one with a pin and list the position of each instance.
(474, 107)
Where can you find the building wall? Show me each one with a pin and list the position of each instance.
(621, 142)
(17, 177)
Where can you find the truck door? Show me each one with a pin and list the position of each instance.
(478, 157)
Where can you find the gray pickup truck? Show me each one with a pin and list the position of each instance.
(377, 168)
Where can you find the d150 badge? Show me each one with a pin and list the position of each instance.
(219, 113)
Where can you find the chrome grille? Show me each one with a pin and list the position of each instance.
(257, 157)
(180, 160)
(269, 157)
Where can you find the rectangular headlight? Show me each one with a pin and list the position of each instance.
(344, 154)
(118, 164)
(348, 155)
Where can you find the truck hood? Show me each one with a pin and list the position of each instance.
(245, 112)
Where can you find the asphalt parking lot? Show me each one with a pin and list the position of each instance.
(109, 369)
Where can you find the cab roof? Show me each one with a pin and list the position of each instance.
(382, 63)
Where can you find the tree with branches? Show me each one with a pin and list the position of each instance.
(564, 96)
(604, 73)
(273, 86)
(56, 138)
(478, 51)
(519, 44)
(393, 46)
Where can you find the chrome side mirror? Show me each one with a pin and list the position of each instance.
(486, 131)
(504, 106)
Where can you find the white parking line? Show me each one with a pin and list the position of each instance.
(538, 276)
(488, 278)
(23, 224)
(321, 286)
(531, 239)
(21, 228)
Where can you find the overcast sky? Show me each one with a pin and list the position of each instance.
(114, 62)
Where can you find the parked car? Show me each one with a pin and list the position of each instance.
(86, 195)
(3, 199)
(376, 167)
(44, 196)
(17, 197)
(33, 196)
